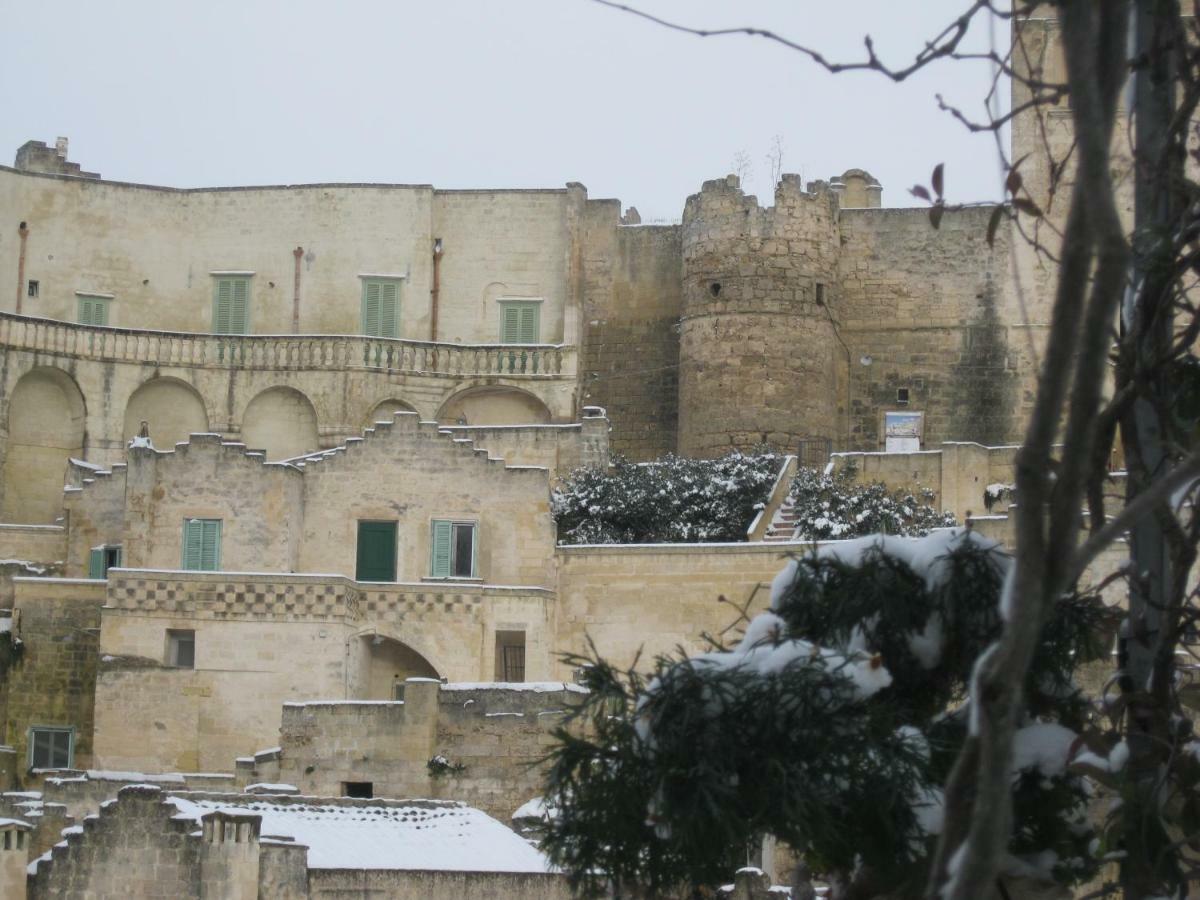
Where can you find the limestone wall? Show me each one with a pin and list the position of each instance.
(494, 732)
(557, 448)
(436, 885)
(52, 681)
(94, 507)
(655, 597)
(757, 350)
(930, 308)
(632, 309)
(39, 544)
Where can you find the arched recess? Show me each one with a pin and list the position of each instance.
(494, 406)
(282, 421)
(385, 410)
(387, 662)
(46, 426)
(172, 409)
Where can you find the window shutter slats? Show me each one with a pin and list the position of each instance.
(519, 323)
(96, 563)
(210, 545)
(529, 324)
(440, 562)
(202, 545)
(193, 536)
(388, 309)
(237, 312)
(231, 305)
(510, 333)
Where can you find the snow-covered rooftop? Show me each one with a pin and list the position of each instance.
(380, 834)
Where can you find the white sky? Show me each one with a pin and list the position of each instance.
(484, 93)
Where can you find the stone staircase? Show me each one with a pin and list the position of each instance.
(783, 524)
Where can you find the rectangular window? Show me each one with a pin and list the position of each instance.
(519, 322)
(93, 309)
(32, 290)
(381, 307)
(510, 655)
(231, 304)
(452, 553)
(376, 552)
(51, 748)
(202, 545)
(101, 559)
(181, 648)
(364, 790)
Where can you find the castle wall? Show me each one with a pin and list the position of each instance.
(929, 308)
(757, 350)
(632, 309)
(436, 885)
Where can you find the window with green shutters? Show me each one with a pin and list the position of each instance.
(519, 322)
(101, 559)
(231, 304)
(93, 310)
(202, 545)
(452, 549)
(381, 307)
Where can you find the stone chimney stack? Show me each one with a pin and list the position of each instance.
(35, 156)
(60, 148)
(229, 854)
(14, 857)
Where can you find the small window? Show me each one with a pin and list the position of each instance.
(181, 648)
(32, 288)
(363, 790)
(453, 550)
(381, 307)
(51, 748)
(902, 396)
(101, 559)
(202, 545)
(231, 304)
(520, 322)
(820, 294)
(93, 309)
(510, 656)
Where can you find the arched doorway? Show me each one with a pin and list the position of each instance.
(385, 664)
(494, 406)
(45, 427)
(172, 409)
(281, 421)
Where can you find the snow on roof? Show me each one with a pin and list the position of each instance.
(15, 823)
(140, 777)
(377, 834)
(538, 687)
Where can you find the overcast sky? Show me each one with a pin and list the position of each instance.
(484, 93)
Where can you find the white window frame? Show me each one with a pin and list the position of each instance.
(30, 744)
(454, 524)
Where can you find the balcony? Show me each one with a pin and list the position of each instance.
(331, 352)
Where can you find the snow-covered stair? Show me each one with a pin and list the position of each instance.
(783, 525)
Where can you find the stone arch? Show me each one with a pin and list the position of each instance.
(172, 408)
(281, 421)
(494, 405)
(386, 661)
(46, 426)
(384, 410)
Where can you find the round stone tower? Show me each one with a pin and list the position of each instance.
(758, 354)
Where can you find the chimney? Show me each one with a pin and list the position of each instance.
(60, 147)
(14, 855)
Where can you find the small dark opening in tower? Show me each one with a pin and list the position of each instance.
(820, 294)
(715, 288)
(33, 288)
(364, 790)
(902, 396)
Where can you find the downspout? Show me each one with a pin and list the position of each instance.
(298, 253)
(436, 290)
(23, 231)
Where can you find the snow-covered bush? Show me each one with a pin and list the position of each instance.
(835, 506)
(831, 725)
(670, 500)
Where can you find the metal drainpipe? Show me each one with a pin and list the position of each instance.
(435, 291)
(23, 231)
(298, 253)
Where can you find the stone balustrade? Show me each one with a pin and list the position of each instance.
(338, 352)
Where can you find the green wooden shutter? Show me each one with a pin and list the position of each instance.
(370, 308)
(529, 324)
(193, 542)
(221, 303)
(510, 324)
(93, 310)
(389, 309)
(238, 308)
(96, 563)
(439, 565)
